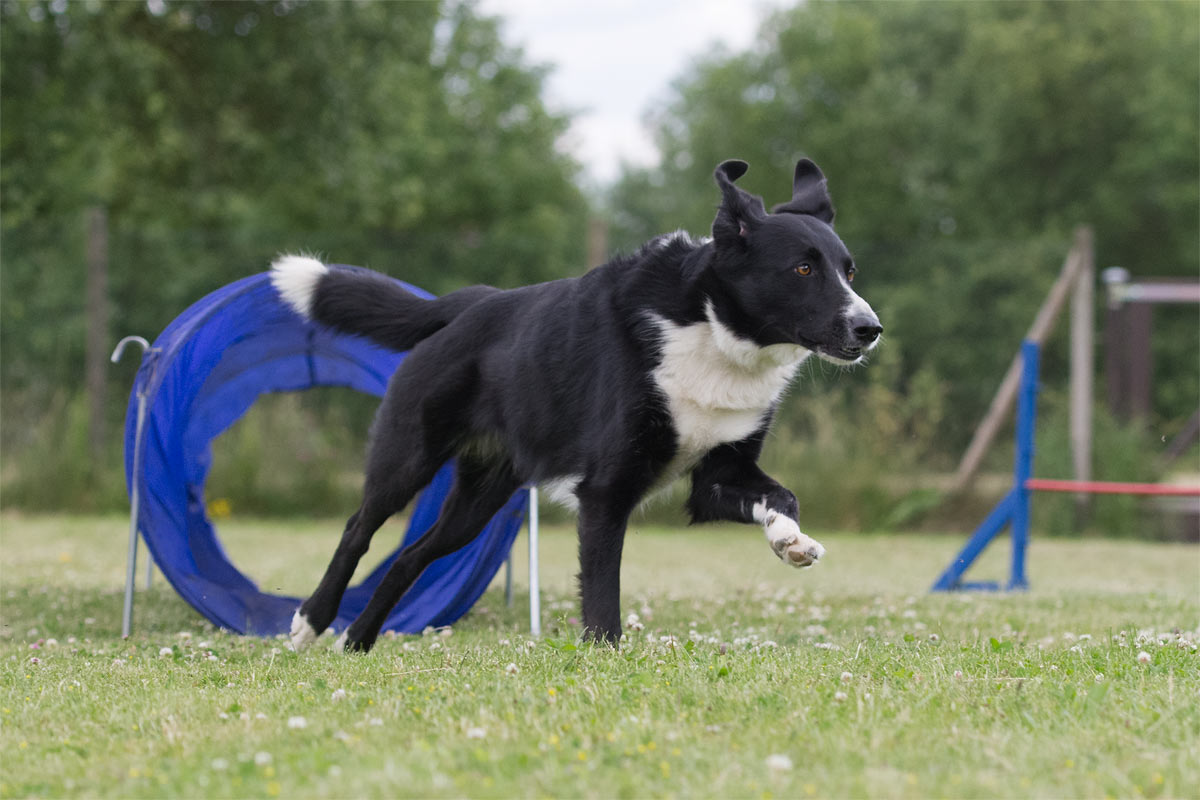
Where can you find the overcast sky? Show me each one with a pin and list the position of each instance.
(613, 59)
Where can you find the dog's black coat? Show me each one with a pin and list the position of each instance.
(563, 380)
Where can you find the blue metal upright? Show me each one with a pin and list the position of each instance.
(1014, 507)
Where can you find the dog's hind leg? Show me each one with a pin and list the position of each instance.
(393, 478)
(315, 613)
(479, 491)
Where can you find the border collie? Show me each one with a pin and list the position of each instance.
(603, 387)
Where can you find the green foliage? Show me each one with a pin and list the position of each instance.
(403, 136)
(1119, 453)
(849, 444)
(963, 142)
(53, 466)
(292, 455)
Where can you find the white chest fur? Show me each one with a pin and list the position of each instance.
(719, 387)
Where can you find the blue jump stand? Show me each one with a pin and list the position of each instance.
(1014, 508)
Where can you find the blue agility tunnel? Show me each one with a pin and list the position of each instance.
(202, 374)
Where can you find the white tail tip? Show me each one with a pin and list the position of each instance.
(295, 278)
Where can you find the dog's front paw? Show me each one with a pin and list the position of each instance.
(791, 545)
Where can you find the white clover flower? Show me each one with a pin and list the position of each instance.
(1099, 677)
(262, 758)
(220, 764)
(338, 694)
(958, 673)
(476, 733)
(296, 723)
(375, 722)
(840, 697)
(847, 677)
(1144, 658)
(165, 651)
(511, 669)
(260, 715)
(778, 762)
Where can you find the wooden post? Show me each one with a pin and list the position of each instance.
(597, 242)
(1007, 393)
(1083, 323)
(1138, 360)
(96, 313)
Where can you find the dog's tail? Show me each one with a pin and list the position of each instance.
(365, 303)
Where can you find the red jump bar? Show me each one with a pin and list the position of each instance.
(1108, 487)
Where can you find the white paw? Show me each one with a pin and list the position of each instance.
(302, 634)
(339, 646)
(791, 545)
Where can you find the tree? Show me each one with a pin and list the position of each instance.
(402, 136)
(962, 142)
(406, 136)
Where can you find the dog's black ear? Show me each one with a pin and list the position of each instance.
(810, 194)
(740, 211)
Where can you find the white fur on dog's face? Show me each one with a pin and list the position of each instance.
(855, 308)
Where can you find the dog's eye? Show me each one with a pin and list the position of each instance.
(850, 273)
(804, 269)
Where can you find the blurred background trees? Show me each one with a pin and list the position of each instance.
(963, 142)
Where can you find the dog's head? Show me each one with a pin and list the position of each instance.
(785, 276)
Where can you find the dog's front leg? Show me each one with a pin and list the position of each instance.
(729, 485)
(601, 539)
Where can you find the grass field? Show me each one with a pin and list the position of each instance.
(748, 679)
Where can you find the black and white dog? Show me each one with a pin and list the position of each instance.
(602, 387)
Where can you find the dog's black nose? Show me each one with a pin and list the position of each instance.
(867, 331)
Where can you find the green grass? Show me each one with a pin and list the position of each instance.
(868, 685)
